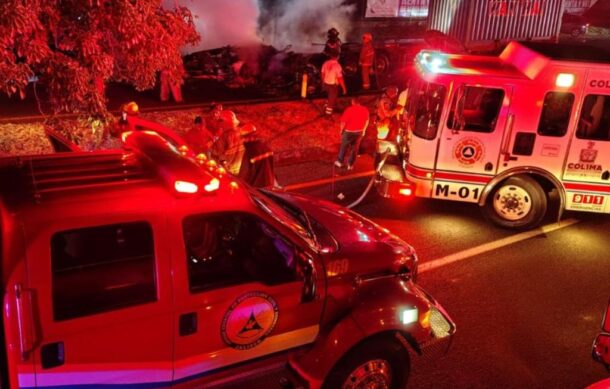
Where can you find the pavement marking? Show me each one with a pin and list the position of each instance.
(323, 181)
(471, 252)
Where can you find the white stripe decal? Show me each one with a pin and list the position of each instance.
(98, 374)
(229, 356)
(465, 254)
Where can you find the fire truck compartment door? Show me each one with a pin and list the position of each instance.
(250, 286)
(101, 298)
(470, 142)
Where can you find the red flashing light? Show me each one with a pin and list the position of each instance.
(405, 192)
(186, 187)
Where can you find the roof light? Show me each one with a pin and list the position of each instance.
(185, 187)
(213, 185)
(201, 158)
(564, 80)
(436, 64)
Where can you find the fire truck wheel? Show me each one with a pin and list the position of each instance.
(376, 363)
(519, 202)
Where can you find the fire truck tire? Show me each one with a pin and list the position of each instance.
(376, 363)
(382, 63)
(518, 202)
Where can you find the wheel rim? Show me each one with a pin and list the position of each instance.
(374, 374)
(512, 202)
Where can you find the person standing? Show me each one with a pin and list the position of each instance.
(333, 43)
(257, 165)
(198, 138)
(168, 86)
(214, 123)
(367, 59)
(332, 77)
(387, 114)
(229, 147)
(353, 124)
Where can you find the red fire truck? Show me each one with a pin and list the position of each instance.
(505, 132)
(152, 268)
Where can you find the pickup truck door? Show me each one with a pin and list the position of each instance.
(100, 297)
(246, 288)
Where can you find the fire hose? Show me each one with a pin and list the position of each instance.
(372, 180)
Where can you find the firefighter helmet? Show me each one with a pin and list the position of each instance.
(391, 91)
(333, 33)
(229, 119)
(131, 108)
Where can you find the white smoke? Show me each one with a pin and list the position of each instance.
(300, 23)
(304, 23)
(223, 22)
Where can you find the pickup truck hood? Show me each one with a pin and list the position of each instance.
(366, 245)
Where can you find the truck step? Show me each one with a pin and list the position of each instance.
(278, 376)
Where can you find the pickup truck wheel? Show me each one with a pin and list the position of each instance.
(519, 202)
(379, 363)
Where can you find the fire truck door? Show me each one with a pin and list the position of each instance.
(587, 169)
(242, 293)
(101, 302)
(470, 141)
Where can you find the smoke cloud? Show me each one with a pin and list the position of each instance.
(300, 23)
(223, 22)
(303, 23)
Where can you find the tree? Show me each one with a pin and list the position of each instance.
(74, 47)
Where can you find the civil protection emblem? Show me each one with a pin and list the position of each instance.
(588, 155)
(249, 320)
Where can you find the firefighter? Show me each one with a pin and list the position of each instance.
(367, 59)
(198, 138)
(387, 113)
(130, 109)
(257, 165)
(214, 122)
(353, 124)
(228, 147)
(332, 77)
(333, 43)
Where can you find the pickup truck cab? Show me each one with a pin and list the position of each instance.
(150, 267)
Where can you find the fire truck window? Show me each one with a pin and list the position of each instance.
(475, 109)
(425, 108)
(235, 248)
(594, 121)
(101, 269)
(555, 115)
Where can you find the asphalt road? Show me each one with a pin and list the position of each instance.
(526, 312)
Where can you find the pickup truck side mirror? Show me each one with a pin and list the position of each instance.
(308, 271)
(601, 350)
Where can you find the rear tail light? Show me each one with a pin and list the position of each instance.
(185, 187)
(405, 192)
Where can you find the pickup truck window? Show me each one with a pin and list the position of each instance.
(233, 248)
(101, 269)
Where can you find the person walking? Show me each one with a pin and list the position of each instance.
(353, 124)
(168, 87)
(332, 77)
(367, 59)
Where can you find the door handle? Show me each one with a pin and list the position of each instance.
(187, 324)
(23, 300)
(52, 355)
